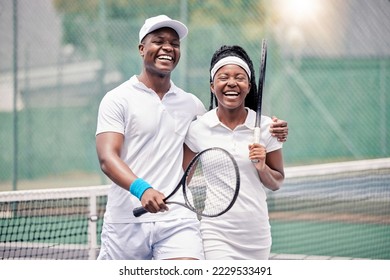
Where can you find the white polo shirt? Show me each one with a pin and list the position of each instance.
(154, 132)
(245, 226)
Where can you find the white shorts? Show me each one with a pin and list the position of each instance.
(155, 240)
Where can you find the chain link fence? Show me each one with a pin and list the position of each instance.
(328, 75)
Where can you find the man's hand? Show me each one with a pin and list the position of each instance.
(153, 201)
(279, 129)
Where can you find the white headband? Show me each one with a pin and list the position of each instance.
(230, 60)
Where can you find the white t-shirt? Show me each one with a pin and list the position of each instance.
(154, 132)
(245, 228)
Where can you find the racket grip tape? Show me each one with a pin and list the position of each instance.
(256, 139)
(139, 211)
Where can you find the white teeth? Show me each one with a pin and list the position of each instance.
(231, 93)
(165, 57)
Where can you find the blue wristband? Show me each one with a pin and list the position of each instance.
(138, 187)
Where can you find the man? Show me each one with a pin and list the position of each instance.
(139, 139)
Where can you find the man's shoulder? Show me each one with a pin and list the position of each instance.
(123, 86)
(121, 91)
(191, 100)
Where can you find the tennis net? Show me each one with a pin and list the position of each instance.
(52, 223)
(338, 210)
(333, 210)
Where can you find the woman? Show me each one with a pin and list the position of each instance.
(244, 231)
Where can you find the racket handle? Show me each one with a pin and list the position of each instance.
(139, 211)
(256, 139)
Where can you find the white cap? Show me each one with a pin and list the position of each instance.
(161, 21)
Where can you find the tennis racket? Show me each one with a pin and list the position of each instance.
(210, 184)
(263, 64)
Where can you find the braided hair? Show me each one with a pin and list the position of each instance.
(224, 51)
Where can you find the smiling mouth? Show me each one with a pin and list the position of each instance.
(165, 57)
(231, 93)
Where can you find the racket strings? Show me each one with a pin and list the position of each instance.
(212, 187)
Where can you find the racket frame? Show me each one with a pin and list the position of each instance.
(237, 183)
(138, 211)
(263, 64)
